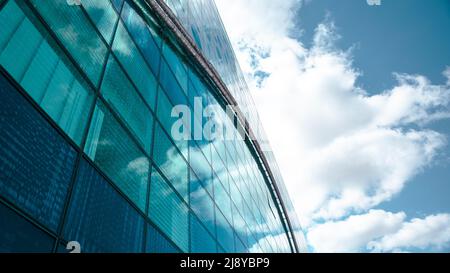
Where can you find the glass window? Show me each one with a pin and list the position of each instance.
(222, 199)
(109, 146)
(43, 72)
(18, 235)
(170, 162)
(200, 166)
(135, 65)
(103, 15)
(36, 164)
(76, 33)
(99, 218)
(201, 203)
(125, 101)
(225, 234)
(168, 211)
(201, 240)
(143, 36)
(157, 243)
(171, 86)
(240, 247)
(117, 4)
(164, 113)
(177, 66)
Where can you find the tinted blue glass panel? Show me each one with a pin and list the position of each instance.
(168, 211)
(125, 101)
(223, 200)
(170, 162)
(225, 234)
(109, 146)
(157, 243)
(19, 235)
(177, 66)
(36, 164)
(78, 35)
(201, 203)
(99, 218)
(171, 86)
(201, 240)
(134, 64)
(43, 72)
(142, 35)
(103, 15)
(164, 114)
(117, 4)
(201, 167)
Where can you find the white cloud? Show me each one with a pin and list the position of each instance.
(381, 231)
(341, 149)
(432, 232)
(354, 233)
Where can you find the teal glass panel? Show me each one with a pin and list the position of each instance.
(117, 4)
(76, 33)
(168, 211)
(43, 72)
(103, 15)
(222, 199)
(201, 203)
(164, 111)
(171, 86)
(99, 218)
(17, 235)
(157, 243)
(225, 234)
(126, 102)
(113, 151)
(134, 64)
(170, 162)
(177, 66)
(201, 240)
(143, 35)
(201, 167)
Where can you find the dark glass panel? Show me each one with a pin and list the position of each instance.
(99, 218)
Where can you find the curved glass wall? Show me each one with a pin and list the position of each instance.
(88, 147)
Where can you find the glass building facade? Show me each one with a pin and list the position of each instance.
(87, 151)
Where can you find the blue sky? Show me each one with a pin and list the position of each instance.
(404, 36)
(355, 100)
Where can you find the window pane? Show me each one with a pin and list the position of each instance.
(36, 164)
(124, 99)
(19, 235)
(202, 204)
(177, 66)
(200, 166)
(142, 35)
(76, 33)
(117, 4)
(109, 146)
(43, 72)
(164, 114)
(224, 233)
(222, 199)
(103, 15)
(201, 240)
(168, 211)
(170, 162)
(171, 86)
(99, 218)
(135, 65)
(157, 243)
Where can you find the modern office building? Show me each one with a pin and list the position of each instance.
(87, 146)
